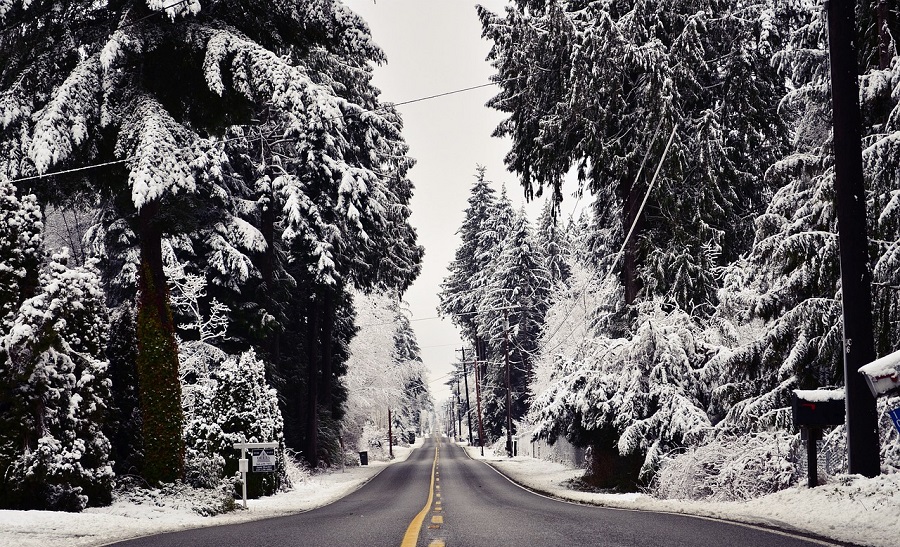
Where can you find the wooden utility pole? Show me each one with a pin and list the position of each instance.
(458, 405)
(390, 435)
(509, 450)
(856, 277)
(479, 352)
(466, 384)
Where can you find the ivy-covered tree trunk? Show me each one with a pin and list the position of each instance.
(157, 360)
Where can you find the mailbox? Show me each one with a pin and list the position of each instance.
(818, 408)
(883, 375)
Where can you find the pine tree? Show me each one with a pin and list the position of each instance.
(55, 392)
(21, 252)
(460, 296)
(552, 240)
(515, 303)
(783, 304)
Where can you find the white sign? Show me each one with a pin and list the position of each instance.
(263, 460)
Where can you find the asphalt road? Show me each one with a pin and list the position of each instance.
(468, 505)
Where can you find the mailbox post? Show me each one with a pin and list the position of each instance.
(814, 410)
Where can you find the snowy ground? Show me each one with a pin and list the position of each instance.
(849, 508)
(122, 520)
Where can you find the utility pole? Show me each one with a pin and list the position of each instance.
(508, 394)
(452, 417)
(850, 202)
(458, 405)
(390, 435)
(468, 406)
(479, 353)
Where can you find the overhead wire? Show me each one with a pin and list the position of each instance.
(254, 138)
(627, 237)
(587, 282)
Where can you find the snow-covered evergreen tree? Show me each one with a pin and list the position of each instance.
(552, 239)
(631, 400)
(21, 252)
(55, 393)
(515, 302)
(460, 295)
(781, 306)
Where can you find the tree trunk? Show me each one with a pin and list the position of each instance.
(884, 35)
(311, 450)
(631, 203)
(157, 360)
(327, 367)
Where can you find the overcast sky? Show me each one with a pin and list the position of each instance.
(433, 47)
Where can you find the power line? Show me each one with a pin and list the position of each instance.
(155, 13)
(615, 261)
(245, 137)
(627, 237)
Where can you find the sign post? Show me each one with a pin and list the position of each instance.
(263, 461)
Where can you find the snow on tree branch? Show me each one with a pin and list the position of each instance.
(64, 124)
(156, 144)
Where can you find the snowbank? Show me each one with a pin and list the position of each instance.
(123, 520)
(849, 508)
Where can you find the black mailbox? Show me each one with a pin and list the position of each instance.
(818, 408)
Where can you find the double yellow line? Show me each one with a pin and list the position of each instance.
(411, 537)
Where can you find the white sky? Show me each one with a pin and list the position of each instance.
(435, 46)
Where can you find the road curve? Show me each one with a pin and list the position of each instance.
(468, 504)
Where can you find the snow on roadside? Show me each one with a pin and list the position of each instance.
(123, 520)
(849, 508)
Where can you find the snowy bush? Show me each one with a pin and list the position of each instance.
(295, 469)
(203, 501)
(729, 468)
(227, 400)
(55, 392)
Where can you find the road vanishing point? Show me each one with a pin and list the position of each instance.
(439, 497)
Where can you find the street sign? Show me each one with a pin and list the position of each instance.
(895, 417)
(263, 460)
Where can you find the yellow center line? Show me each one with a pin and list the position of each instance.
(411, 537)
